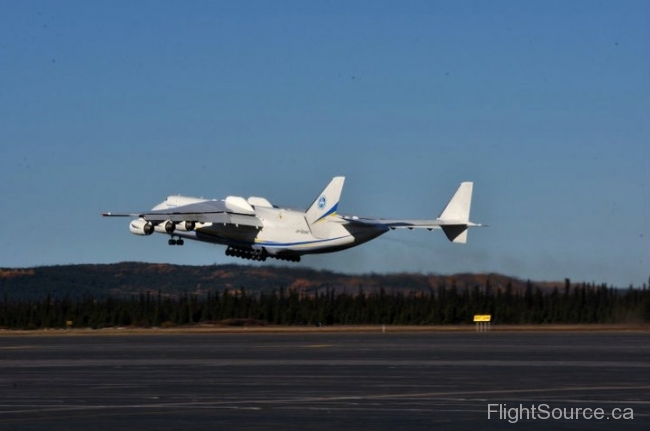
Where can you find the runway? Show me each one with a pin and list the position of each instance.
(322, 381)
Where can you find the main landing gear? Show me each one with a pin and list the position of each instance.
(173, 241)
(247, 253)
(260, 255)
(289, 258)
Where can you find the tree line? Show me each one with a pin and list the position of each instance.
(444, 305)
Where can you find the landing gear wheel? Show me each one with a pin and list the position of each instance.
(174, 241)
(247, 253)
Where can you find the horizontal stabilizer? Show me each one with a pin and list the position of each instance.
(454, 219)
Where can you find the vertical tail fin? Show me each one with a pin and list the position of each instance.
(456, 214)
(460, 204)
(325, 205)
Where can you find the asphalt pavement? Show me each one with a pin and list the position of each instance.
(327, 381)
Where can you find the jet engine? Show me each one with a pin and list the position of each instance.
(166, 227)
(187, 226)
(141, 227)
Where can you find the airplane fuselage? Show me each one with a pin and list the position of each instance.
(255, 229)
(284, 231)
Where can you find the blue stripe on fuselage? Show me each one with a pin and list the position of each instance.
(328, 213)
(289, 244)
(232, 241)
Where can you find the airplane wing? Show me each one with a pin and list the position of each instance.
(217, 212)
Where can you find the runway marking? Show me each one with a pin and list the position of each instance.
(452, 393)
(393, 363)
(289, 400)
(241, 383)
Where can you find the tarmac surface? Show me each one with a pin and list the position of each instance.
(325, 381)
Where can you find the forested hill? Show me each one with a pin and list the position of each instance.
(143, 294)
(131, 278)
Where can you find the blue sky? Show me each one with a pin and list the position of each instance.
(545, 105)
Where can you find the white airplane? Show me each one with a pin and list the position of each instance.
(255, 229)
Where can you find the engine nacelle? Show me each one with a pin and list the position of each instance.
(166, 227)
(141, 227)
(169, 227)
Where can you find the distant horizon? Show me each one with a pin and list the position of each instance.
(334, 272)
